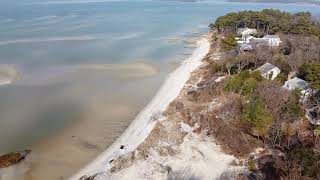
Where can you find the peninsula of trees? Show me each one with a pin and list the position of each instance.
(314, 2)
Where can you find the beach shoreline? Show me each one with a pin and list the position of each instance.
(144, 123)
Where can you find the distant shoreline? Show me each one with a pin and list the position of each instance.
(308, 2)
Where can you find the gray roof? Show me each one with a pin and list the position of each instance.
(296, 83)
(271, 36)
(245, 47)
(266, 68)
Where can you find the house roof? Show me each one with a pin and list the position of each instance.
(246, 46)
(259, 41)
(296, 83)
(266, 68)
(271, 37)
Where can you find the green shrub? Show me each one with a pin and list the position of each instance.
(281, 62)
(244, 82)
(256, 75)
(293, 105)
(249, 86)
(252, 165)
(282, 78)
(311, 73)
(234, 84)
(307, 160)
(317, 131)
(256, 113)
(217, 67)
(228, 42)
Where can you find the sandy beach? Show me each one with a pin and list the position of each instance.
(140, 129)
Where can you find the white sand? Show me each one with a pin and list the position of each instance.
(198, 158)
(140, 128)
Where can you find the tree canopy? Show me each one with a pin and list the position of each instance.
(311, 73)
(270, 21)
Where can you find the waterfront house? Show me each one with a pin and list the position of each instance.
(269, 71)
(272, 40)
(311, 110)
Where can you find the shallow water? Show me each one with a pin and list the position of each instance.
(68, 114)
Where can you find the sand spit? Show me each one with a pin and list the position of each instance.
(124, 71)
(7, 74)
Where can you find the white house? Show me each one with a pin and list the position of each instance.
(246, 31)
(269, 71)
(272, 40)
(302, 85)
(297, 83)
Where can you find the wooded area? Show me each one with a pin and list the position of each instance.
(264, 109)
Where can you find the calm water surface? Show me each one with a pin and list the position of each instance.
(67, 112)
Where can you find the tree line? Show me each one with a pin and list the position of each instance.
(269, 21)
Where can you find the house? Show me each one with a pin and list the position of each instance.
(272, 40)
(269, 71)
(268, 40)
(259, 42)
(244, 47)
(296, 83)
(246, 31)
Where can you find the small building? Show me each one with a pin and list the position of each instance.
(244, 47)
(269, 71)
(272, 40)
(246, 31)
(296, 83)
